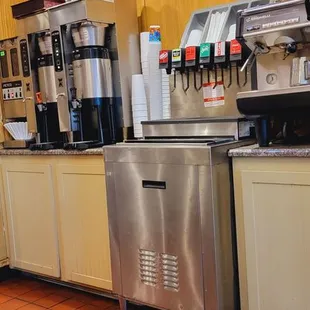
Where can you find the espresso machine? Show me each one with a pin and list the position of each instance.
(94, 58)
(278, 35)
(35, 43)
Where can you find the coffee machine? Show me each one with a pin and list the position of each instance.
(17, 110)
(95, 53)
(35, 43)
(278, 35)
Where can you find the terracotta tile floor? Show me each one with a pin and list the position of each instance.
(31, 294)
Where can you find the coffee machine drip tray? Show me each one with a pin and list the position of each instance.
(290, 100)
(184, 141)
(82, 145)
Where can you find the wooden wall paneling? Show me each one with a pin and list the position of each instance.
(7, 22)
(172, 16)
(141, 13)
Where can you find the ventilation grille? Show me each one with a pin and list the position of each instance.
(170, 272)
(159, 270)
(148, 264)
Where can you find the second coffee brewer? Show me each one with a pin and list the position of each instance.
(92, 102)
(94, 56)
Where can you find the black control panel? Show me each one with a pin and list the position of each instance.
(4, 65)
(25, 58)
(57, 52)
(12, 90)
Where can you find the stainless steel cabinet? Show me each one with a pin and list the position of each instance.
(159, 227)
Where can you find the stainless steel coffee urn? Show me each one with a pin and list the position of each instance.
(93, 65)
(93, 88)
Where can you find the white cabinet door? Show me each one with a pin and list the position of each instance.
(84, 232)
(30, 208)
(3, 249)
(273, 216)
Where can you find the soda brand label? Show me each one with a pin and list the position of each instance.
(190, 53)
(219, 49)
(235, 47)
(205, 50)
(163, 57)
(176, 55)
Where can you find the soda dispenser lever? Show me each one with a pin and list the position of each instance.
(178, 65)
(191, 63)
(237, 56)
(221, 59)
(198, 88)
(165, 57)
(245, 76)
(206, 57)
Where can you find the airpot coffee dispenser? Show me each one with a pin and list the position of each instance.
(92, 94)
(95, 53)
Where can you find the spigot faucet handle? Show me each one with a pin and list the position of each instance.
(76, 104)
(27, 98)
(73, 92)
(60, 95)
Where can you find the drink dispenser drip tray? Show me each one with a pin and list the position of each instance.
(290, 100)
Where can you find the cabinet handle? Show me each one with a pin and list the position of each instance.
(153, 184)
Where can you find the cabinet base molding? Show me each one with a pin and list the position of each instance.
(83, 288)
(4, 262)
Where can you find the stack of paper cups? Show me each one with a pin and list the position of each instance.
(155, 82)
(144, 46)
(139, 104)
(166, 95)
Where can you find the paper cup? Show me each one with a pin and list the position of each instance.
(138, 90)
(144, 45)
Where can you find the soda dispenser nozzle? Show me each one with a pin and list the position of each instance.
(191, 63)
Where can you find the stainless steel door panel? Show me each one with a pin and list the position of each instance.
(47, 84)
(13, 109)
(160, 234)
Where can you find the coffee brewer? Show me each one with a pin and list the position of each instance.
(95, 53)
(279, 36)
(17, 110)
(35, 43)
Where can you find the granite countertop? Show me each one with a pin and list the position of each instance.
(95, 151)
(272, 151)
